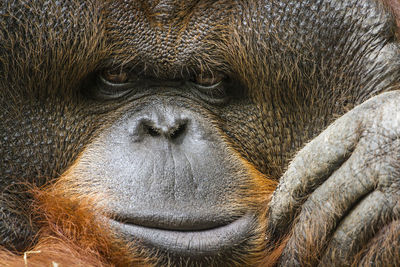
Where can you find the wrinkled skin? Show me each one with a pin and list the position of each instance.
(181, 116)
(350, 190)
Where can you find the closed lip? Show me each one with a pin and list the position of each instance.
(197, 242)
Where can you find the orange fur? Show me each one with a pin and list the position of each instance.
(71, 234)
(274, 252)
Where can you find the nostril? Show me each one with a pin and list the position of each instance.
(178, 131)
(152, 131)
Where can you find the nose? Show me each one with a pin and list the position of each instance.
(170, 124)
(170, 130)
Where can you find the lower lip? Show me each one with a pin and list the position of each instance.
(204, 242)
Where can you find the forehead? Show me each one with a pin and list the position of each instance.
(170, 34)
(167, 34)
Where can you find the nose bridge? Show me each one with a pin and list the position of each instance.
(164, 116)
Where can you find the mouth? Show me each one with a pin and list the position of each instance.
(205, 241)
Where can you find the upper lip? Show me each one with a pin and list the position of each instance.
(184, 239)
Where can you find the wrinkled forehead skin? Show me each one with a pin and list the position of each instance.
(176, 35)
(172, 33)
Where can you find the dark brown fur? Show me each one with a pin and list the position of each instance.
(70, 232)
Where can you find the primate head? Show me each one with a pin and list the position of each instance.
(177, 117)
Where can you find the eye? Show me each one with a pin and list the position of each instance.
(112, 84)
(116, 77)
(211, 87)
(209, 79)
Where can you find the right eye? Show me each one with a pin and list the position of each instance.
(113, 85)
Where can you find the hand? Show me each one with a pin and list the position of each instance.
(340, 194)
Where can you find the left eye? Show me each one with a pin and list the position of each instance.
(116, 77)
(209, 79)
(211, 87)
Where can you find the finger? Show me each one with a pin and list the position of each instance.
(323, 210)
(310, 168)
(362, 223)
